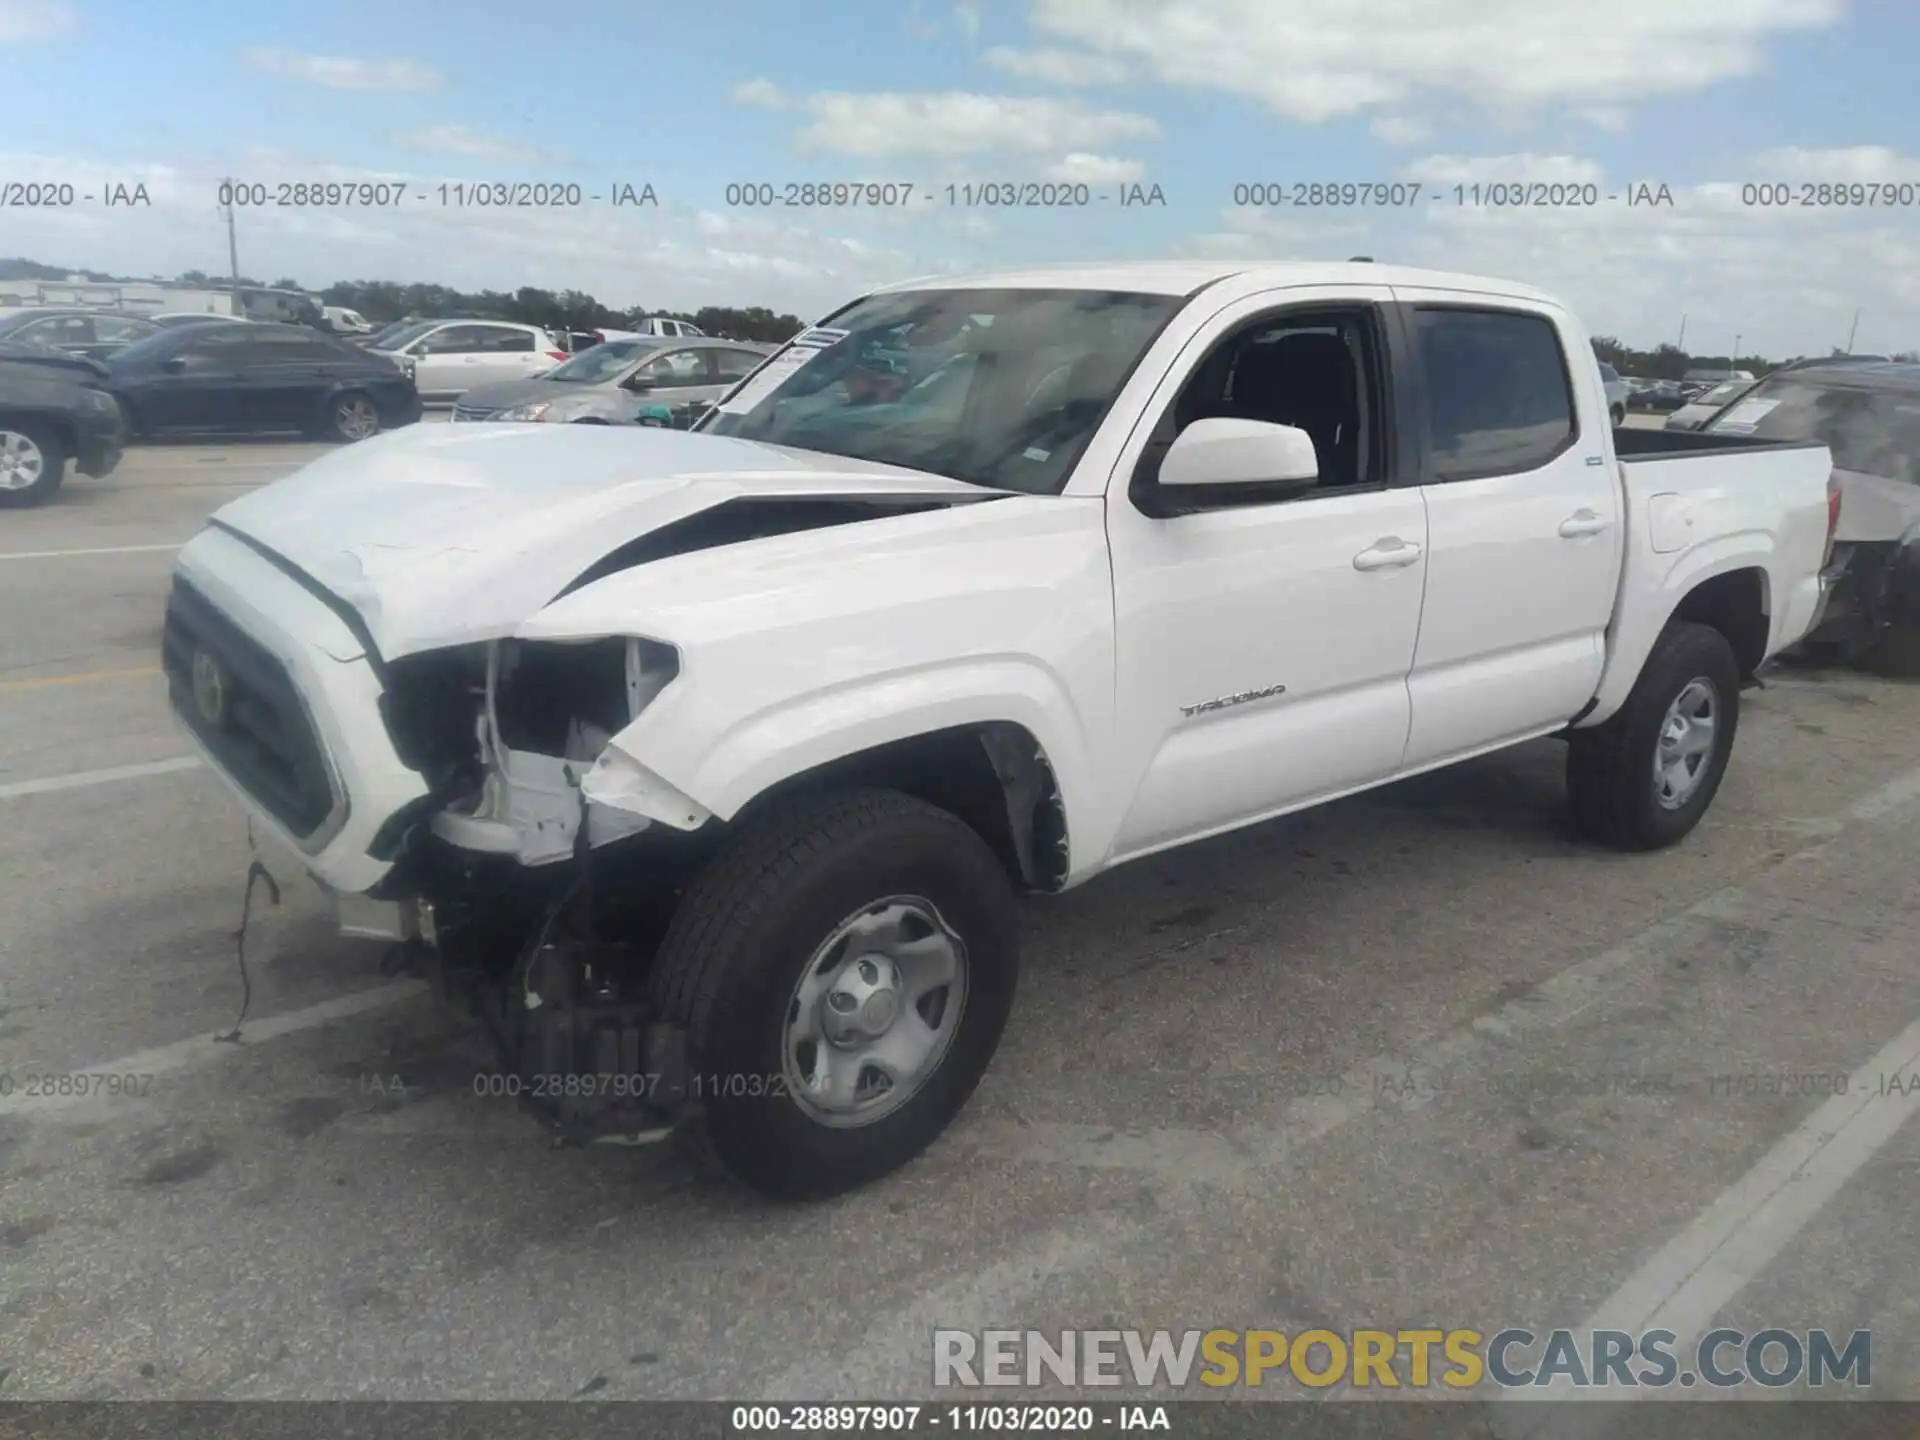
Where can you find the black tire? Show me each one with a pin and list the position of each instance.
(1619, 416)
(31, 442)
(1611, 783)
(346, 413)
(741, 940)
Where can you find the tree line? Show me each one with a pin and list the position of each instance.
(1670, 362)
(385, 300)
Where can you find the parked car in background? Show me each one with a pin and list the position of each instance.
(1617, 391)
(447, 358)
(195, 317)
(98, 333)
(342, 321)
(53, 413)
(671, 329)
(1661, 395)
(650, 381)
(1706, 404)
(258, 378)
(285, 307)
(1868, 414)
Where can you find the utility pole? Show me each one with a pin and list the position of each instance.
(1853, 332)
(1736, 352)
(233, 250)
(1682, 345)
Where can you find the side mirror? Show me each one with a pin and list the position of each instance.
(1226, 462)
(638, 383)
(174, 364)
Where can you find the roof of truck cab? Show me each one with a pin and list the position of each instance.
(1185, 277)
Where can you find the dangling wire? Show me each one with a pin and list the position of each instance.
(255, 871)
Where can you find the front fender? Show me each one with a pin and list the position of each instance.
(747, 755)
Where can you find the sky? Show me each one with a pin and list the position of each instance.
(1714, 109)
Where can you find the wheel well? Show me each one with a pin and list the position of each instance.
(1735, 604)
(60, 425)
(995, 776)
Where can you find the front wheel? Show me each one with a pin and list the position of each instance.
(32, 464)
(352, 417)
(1643, 779)
(843, 968)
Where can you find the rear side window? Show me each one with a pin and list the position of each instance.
(1499, 399)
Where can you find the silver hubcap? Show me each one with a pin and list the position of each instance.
(357, 419)
(21, 463)
(874, 1013)
(1687, 738)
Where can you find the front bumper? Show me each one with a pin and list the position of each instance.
(337, 690)
(99, 450)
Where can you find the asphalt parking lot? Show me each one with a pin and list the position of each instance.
(1364, 1067)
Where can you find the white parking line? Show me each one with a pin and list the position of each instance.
(205, 1050)
(85, 779)
(98, 550)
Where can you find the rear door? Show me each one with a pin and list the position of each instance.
(282, 378)
(1524, 527)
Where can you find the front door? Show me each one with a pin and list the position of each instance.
(1523, 525)
(1263, 649)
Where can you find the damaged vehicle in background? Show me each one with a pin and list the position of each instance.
(1868, 414)
(709, 765)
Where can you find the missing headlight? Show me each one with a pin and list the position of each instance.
(552, 694)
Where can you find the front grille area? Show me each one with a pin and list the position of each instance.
(258, 729)
(464, 411)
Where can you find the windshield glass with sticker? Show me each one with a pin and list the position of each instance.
(994, 387)
(1872, 430)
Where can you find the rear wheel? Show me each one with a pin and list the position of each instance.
(1619, 414)
(33, 462)
(352, 417)
(1642, 780)
(843, 969)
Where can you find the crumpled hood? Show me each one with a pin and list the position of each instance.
(440, 535)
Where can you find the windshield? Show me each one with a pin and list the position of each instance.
(602, 362)
(1869, 431)
(993, 387)
(392, 338)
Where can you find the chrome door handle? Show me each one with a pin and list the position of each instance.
(1389, 553)
(1582, 522)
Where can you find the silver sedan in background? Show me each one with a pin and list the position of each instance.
(650, 380)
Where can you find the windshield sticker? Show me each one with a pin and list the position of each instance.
(819, 338)
(1741, 419)
(768, 378)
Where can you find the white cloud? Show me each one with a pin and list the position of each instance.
(1081, 168)
(879, 126)
(763, 94)
(1317, 60)
(1400, 130)
(1859, 164)
(1523, 169)
(469, 145)
(1611, 118)
(1058, 67)
(967, 16)
(22, 20)
(340, 72)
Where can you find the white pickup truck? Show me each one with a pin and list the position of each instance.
(708, 765)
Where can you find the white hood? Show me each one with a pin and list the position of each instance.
(440, 535)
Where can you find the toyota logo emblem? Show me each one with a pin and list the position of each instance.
(209, 689)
